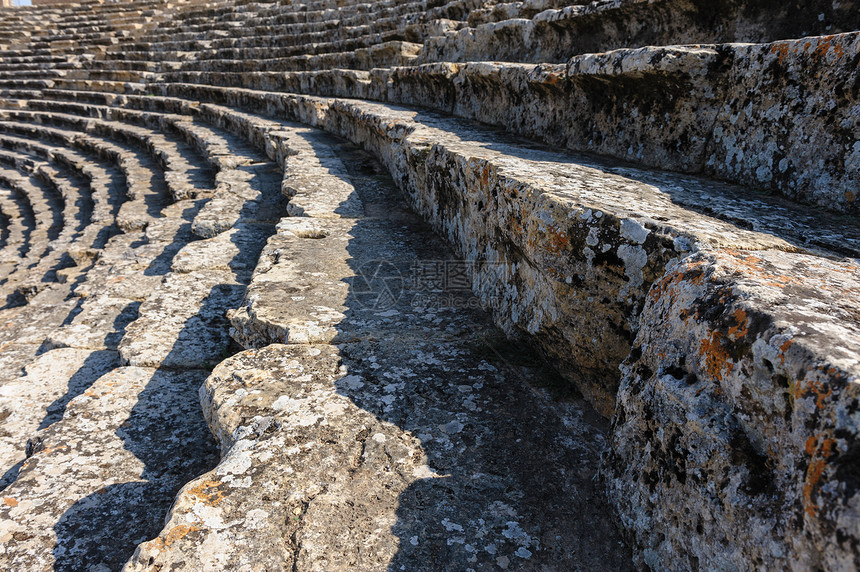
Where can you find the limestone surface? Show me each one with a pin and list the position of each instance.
(738, 399)
(454, 285)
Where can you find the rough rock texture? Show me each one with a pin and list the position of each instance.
(739, 399)
(376, 419)
(315, 439)
(90, 488)
(415, 435)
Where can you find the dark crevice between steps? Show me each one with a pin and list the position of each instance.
(4, 229)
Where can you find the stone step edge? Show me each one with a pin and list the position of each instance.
(396, 143)
(566, 105)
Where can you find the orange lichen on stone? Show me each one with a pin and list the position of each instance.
(9, 501)
(207, 492)
(781, 49)
(485, 175)
(174, 534)
(824, 46)
(817, 389)
(784, 348)
(557, 241)
(716, 357)
(742, 328)
(820, 448)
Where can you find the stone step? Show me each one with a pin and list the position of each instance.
(569, 250)
(392, 435)
(23, 403)
(122, 451)
(706, 128)
(553, 36)
(186, 174)
(26, 84)
(274, 48)
(31, 401)
(384, 54)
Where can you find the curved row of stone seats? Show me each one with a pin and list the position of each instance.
(553, 36)
(229, 201)
(732, 314)
(370, 467)
(67, 31)
(268, 30)
(138, 192)
(148, 405)
(20, 220)
(384, 54)
(26, 66)
(567, 235)
(42, 202)
(805, 152)
(185, 172)
(28, 280)
(89, 208)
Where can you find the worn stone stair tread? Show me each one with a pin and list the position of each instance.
(233, 250)
(98, 326)
(110, 467)
(36, 399)
(308, 283)
(182, 324)
(249, 194)
(298, 432)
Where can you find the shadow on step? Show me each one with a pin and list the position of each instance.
(508, 474)
(87, 375)
(165, 429)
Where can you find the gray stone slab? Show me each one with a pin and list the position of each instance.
(183, 323)
(102, 478)
(377, 456)
(98, 325)
(39, 396)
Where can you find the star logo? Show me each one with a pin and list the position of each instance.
(377, 285)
